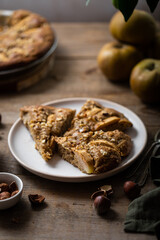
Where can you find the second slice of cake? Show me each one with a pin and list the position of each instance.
(94, 117)
(44, 123)
(94, 152)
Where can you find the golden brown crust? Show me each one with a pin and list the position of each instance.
(95, 117)
(94, 152)
(25, 38)
(94, 142)
(44, 123)
(116, 138)
(85, 145)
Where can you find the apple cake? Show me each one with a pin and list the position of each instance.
(25, 37)
(92, 141)
(94, 152)
(94, 117)
(44, 123)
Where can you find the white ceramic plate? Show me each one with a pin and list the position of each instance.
(22, 146)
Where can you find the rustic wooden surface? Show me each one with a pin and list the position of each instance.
(68, 212)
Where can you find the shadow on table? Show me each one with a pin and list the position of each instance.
(16, 216)
(111, 215)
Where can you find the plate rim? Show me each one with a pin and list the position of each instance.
(85, 178)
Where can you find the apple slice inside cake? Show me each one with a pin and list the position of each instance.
(44, 123)
(94, 152)
(94, 117)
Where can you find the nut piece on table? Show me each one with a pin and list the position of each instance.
(102, 204)
(101, 199)
(132, 189)
(36, 199)
(107, 189)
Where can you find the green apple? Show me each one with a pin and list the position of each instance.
(116, 60)
(145, 80)
(140, 29)
(154, 48)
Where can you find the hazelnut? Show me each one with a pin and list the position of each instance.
(102, 204)
(131, 189)
(14, 193)
(4, 187)
(13, 187)
(97, 193)
(36, 199)
(4, 195)
(7, 191)
(107, 189)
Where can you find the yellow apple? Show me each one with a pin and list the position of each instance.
(145, 80)
(140, 29)
(116, 60)
(154, 48)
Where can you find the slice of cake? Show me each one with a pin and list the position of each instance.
(94, 152)
(44, 123)
(115, 138)
(95, 117)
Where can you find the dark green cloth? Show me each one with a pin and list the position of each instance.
(144, 213)
(155, 169)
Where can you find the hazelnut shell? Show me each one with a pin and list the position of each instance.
(102, 204)
(131, 189)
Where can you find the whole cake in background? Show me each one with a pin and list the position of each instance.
(25, 37)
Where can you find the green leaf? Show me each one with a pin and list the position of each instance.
(152, 4)
(126, 7)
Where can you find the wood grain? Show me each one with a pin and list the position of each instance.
(68, 212)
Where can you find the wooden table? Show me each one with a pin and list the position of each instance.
(68, 212)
